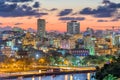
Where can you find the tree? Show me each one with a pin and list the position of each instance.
(52, 60)
(112, 68)
(42, 61)
(110, 77)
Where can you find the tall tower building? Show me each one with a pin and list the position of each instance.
(41, 27)
(73, 27)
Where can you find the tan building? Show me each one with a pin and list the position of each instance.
(67, 43)
(29, 40)
(6, 51)
(105, 46)
(56, 42)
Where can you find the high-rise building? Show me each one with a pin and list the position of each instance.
(41, 28)
(89, 44)
(73, 27)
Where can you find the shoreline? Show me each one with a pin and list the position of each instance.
(46, 74)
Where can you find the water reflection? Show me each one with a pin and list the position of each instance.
(81, 76)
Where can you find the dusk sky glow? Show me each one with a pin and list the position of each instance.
(90, 13)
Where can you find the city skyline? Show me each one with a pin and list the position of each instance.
(24, 13)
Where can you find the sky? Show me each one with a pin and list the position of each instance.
(96, 14)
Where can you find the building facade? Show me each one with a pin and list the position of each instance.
(41, 28)
(80, 52)
(73, 27)
(28, 40)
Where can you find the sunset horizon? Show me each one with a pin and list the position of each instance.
(104, 14)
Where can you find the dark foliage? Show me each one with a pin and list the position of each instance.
(112, 68)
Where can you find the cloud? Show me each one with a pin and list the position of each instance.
(72, 18)
(7, 7)
(114, 20)
(75, 13)
(53, 9)
(102, 11)
(19, 8)
(117, 18)
(14, 10)
(102, 21)
(65, 12)
(48, 10)
(18, 23)
(41, 14)
(1, 23)
(87, 11)
(36, 5)
(18, 0)
(106, 1)
(114, 5)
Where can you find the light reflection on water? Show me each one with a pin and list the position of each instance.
(78, 76)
